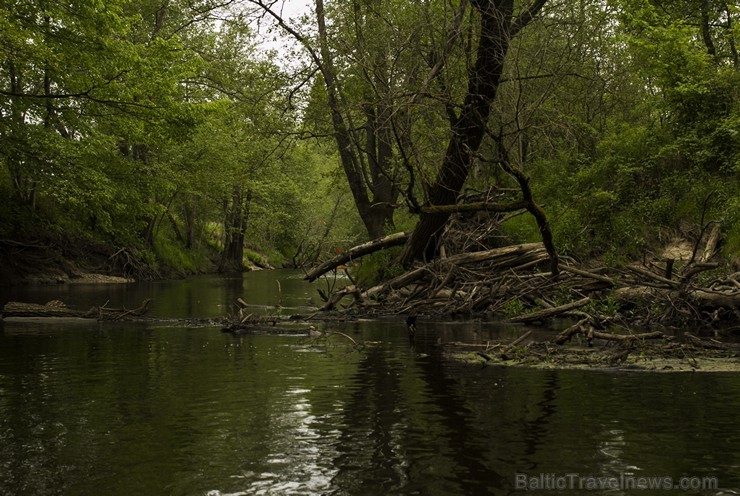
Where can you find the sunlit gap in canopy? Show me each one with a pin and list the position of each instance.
(273, 43)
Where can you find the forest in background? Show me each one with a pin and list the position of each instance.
(154, 138)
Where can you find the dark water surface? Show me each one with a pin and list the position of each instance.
(154, 408)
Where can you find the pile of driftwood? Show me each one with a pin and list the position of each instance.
(57, 309)
(244, 321)
(517, 283)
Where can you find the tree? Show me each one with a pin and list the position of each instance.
(496, 26)
(364, 40)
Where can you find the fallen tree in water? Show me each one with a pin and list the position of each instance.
(58, 309)
(510, 282)
(471, 278)
(356, 252)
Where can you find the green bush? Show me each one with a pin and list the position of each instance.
(256, 258)
(521, 229)
(378, 266)
(174, 257)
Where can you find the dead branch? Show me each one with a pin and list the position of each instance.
(652, 275)
(571, 331)
(627, 337)
(474, 207)
(338, 296)
(518, 340)
(551, 312)
(711, 344)
(395, 283)
(58, 309)
(586, 274)
(396, 239)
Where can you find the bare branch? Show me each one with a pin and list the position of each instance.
(441, 59)
(475, 207)
(300, 38)
(526, 17)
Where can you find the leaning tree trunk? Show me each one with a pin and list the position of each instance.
(469, 127)
(373, 216)
(497, 27)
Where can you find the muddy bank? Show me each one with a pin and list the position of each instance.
(61, 262)
(75, 261)
(667, 354)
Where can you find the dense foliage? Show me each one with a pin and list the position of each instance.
(172, 132)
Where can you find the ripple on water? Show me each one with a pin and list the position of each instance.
(193, 411)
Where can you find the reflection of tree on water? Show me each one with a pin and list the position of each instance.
(535, 431)
(406, 430)
(498, 422)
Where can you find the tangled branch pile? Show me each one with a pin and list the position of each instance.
(512, 283)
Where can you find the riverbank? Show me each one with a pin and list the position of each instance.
(686, 353)
(72, 260)
(52, 261)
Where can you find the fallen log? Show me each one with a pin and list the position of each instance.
(358, 251)
(571, 331)
(19, 309)
(704, 297)
(396, 283)
(710, 298)
(627, 337)
(551, 312)
(506, 257)
(474, 207)
(588, 275)
(58, 309)
(652, 276)
(591, 334)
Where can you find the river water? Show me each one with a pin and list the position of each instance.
(165, 408)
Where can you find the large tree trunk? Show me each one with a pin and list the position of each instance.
(366, 161)
(469, 127)
(190, 223)
(235, 229)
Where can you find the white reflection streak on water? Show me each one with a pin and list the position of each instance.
(302, 459)
(612, 448)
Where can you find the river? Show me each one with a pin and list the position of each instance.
(165, 408)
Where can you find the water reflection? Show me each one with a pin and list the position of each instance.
(203, 296)
(141, 409)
